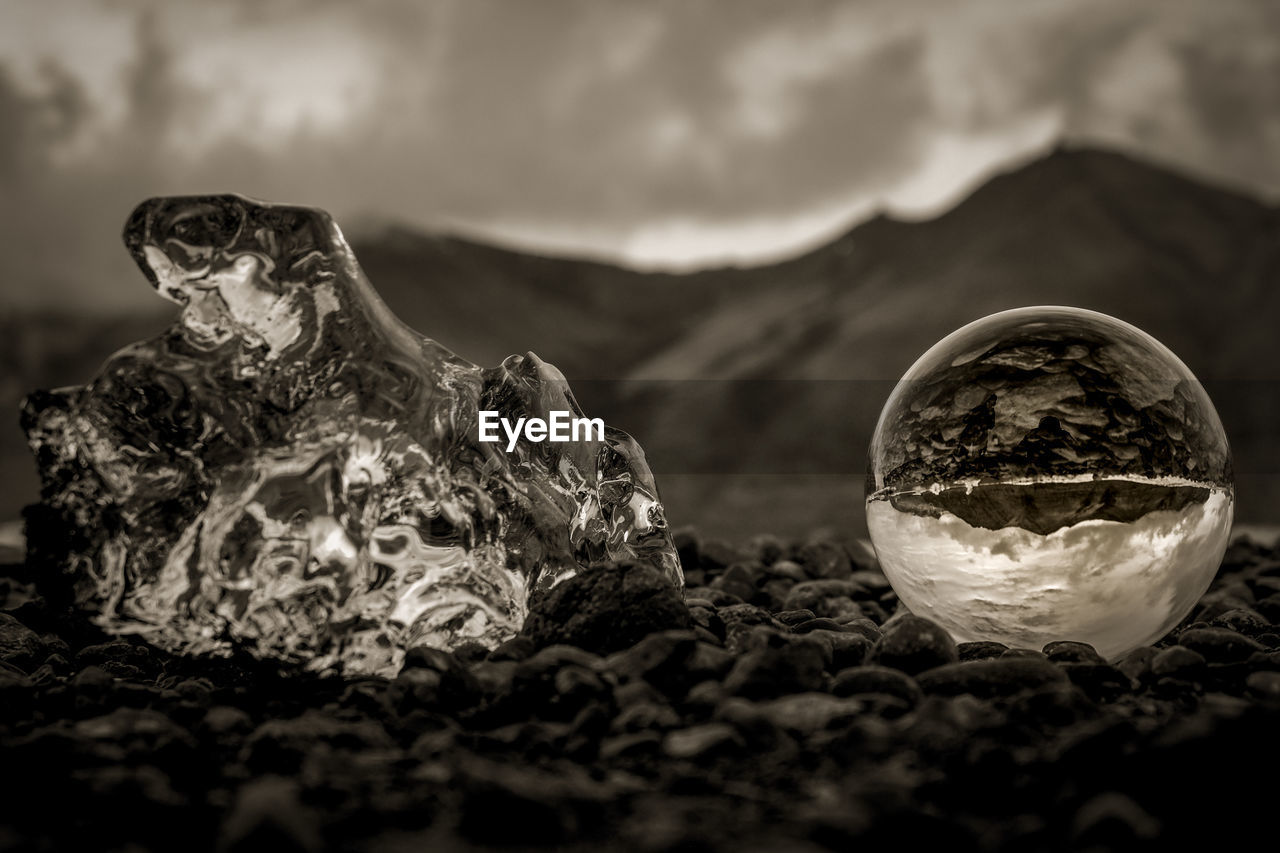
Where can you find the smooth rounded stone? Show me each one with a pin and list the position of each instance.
(92, 679)
(1222, 601)
(775, 664)
(1137, 663)
(1264, 685)
(1002, 676)
(607, 609)
(702, 741)
(774, 592)
(268, 813)
(710, 662)
(546, 661)
(980, 650)
(1057, 704)
(637, 693)
(1050, 473)
(808, 713)
(662, 659)
(1100, 680)
(433, 678)
(740, 580)
(914, 644)
(826, 560)
(865, 680)
(1244, 621)
(136, 730)
(740, 620)
(788, 569)
(1220, 645)
(861, 625)
(645, 716)
(223, 720)
(766, 548)
(1112, 821)
(633, 745)
(715, 555)
(705, 696)
(844, 648)
(830, 598)
(794, 617)
(1177, 662)
(1066, 651)
(707, 619)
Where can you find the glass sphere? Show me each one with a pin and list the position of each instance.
(1050, 474)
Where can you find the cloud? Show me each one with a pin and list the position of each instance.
(666, 132)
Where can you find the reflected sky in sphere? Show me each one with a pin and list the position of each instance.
(1046, 474)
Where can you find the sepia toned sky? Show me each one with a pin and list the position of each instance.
(659, 133)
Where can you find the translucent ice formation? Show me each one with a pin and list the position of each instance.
(291, 469)
(1050, 474)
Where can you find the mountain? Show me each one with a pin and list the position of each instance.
(797, 369)
(754, 391)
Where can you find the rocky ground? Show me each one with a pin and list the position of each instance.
(781, 705)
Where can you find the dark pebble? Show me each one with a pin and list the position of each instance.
(1177, 662)
(606, 608)
(1243, 620)
(914, 644)
(1219, 645)
(830, 598)
(1265, 685)
(864, 680)
(1003, 676)
(826, 560)
(775, 664)
(1065, 651)
(982, 650)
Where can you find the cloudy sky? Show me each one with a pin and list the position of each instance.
(659, 133)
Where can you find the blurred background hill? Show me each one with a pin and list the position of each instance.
(754, 389)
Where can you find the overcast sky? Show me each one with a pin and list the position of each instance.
(660, 134)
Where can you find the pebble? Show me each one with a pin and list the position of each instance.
(1064, 651)
(863, 680)
(1265, 685)
(1243, 620)
(830, 598)
(775, 664)
(826, 560)
(1003, 676)
(607, 609)
(702, 740)
(914, 644)
(1177, 662)
(1220, 645)
(746, 727)
(982, 650)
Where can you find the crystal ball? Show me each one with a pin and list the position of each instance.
(1048, 474)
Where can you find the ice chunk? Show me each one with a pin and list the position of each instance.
(291, 469)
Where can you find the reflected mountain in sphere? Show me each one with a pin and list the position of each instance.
(1050, 474)
(291, 469)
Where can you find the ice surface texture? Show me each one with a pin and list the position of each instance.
(291, 469)
(1050, 474)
